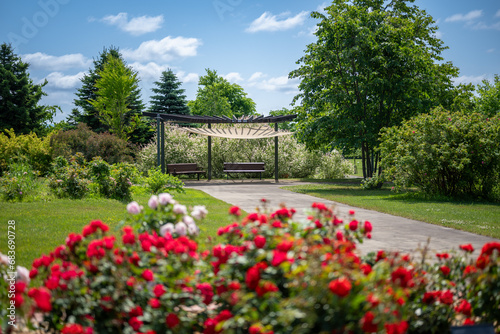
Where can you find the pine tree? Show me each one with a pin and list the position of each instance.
(169, 98)
(19, 97)
(90, 115)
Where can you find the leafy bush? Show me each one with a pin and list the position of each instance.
(122, 175)
(18, 182)
(333, 166)
(293, 158)
(107, 146)
(71, 181)
(159, 182)
(372, 183)
(25, 149)
(269, 275)
(453, 154)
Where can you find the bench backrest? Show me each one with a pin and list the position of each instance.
(257, 166)
(182, 167)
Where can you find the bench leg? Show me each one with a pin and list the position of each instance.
(198, 176)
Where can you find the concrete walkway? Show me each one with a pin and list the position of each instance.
(389, 232)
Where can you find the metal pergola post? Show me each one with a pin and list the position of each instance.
(276, 154)
(163, 147)
(209, 154)
(158, 141)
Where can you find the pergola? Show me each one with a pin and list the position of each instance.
(228, 133)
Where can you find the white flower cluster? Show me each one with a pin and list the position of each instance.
(185, 227)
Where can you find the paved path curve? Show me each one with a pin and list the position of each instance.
(389, 232)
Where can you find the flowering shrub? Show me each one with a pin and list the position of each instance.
(18, 182)
(71, 180)
(449, 153)
(159, 182)
(269, 274)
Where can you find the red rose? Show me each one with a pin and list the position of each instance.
(482, 261)
(464, 307)
(259, 241)
(278, 258)
(72, 329)
(467, 248)
(252, 277)
(445, 270)
(207, 291)
(235, 285)
(340, 286)
(368, 227)
(172, 320)
(135, 323)
(159, 290)
(353, 225)
(367, 324)
(366, 268)
(148, 275)
(235, 211)
(340, 236)
(41, 296)
(154, 303)
(401, 276)
(446, 297)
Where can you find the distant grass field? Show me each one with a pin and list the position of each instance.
(476, 217)
(41, 226)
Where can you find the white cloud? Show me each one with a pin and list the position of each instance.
(484, 26)
(164, 50)
(256, 76)
(469, 17)
(466, 79)
(150, 71)
(187, 78)
(269, 22)
(280, 84)
(233, 77)
(137, 25)
(62, 81)
(56, 63)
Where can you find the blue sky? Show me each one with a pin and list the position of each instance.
(252, 43)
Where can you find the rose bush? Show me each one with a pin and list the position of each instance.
(268, 274)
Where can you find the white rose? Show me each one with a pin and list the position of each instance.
(23, 274)
(167, 228)
(199, 212)
(164, 198)
(153, 202)
(133, 208)
(193, 229)
(188, 220)
(181, 229)
(180, 209)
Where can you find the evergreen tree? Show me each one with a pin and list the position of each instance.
(90, 115)
(19, 97)
(169, 98)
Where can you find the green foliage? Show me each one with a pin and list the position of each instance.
(181, 147)
(217, 97)
(122, 175)
(452, 154)
(488, 99)
(72, 180)
(374, 64)
(116, 84)
(28, 148)
(158, 182)
(333, 166)
(372, 183)
(19, 108)
(18, 182)
(89, 115)
(108, 146)
(169, 96)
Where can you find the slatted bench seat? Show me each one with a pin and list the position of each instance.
(185, 168)
(244, 167)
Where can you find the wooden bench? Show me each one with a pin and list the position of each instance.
(187, 168)
(244, 167)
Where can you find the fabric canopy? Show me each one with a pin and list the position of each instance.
(239, 133)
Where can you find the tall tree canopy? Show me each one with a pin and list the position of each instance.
(20, 97)
(116, 84)
(169, 97)
(88, 114)
(218, 97)
(374, 64)
(487, 100)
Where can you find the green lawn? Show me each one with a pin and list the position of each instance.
(476, 217)
(41, 226)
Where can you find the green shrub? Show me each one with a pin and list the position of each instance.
(72, 180)
(25, 149)
(333, 166)
(158, 182)
(122, 175)
(18, 182)
(100, 173)
(452, 154)
(107, 146)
